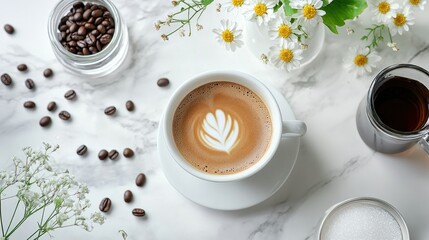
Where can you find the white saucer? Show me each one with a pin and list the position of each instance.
(239, 194)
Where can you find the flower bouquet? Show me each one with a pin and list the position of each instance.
(288, 23)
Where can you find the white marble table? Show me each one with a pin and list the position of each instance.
(333, 164)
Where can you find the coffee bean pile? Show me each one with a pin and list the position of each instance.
(87, 29)
(106, 203)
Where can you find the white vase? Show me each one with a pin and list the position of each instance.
(258, 41)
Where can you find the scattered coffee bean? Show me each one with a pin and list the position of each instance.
(52, 106)
(140, 179)
(128, 196)
(29, 83)
(29, 104)
(130, 105)
(48, 73)
(9, 28)
(113, 154)
(81, 150)
(138, 212)
(110, 110)
(45, 121)
(162, 82)
(22, 67)
(70, 95)
(128, 153)
(6, 79)
(64, 115)
(105, 205)
(103, 154)
(86, 26)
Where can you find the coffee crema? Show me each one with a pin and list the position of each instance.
(222, 128)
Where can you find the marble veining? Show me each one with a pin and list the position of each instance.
(333, 164)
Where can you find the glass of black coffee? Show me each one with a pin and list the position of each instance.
(394, 114)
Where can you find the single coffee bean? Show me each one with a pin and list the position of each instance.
(85, 51)
(45, 121)
(128, 196)
(64, 115)
(81, 150)
(6, 79)
(105, 39)
(162, 82)
(70, 95)
(101, 29)
(29, 104)
(138, 212)
(78, 16)
(140, 179)
(22, 67)
(105, 205)
(98, 21)
(130, 105)
(9, 29)
(103, 154)
(128, 153)
(111, 31)
(73, 28)
(113, 154)
(48, 72)
(81, 44)
(110, 110)
(89, 26)
(105, 23)
(97, 13)
(87, 14)
(81, 31)
(52, 106)
(29, 83)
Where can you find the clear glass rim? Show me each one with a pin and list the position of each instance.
(53, 21)
(372, 115)
(368, 200)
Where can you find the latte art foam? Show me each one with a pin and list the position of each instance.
(222, 128)
(220, 131)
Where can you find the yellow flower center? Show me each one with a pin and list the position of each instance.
(286, 55)
(260, 9)
(309, 11)
(237, 3)
(415, 2)
(227, 36)
(384, 7)
(399, 20)
(284, 31)
(361, 60)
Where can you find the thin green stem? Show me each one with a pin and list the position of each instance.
(13, 215)
(1, 219)
(185, 22)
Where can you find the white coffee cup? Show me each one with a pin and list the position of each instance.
(280, 127)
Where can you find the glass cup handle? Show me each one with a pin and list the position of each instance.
(424, 143)
(295, 128)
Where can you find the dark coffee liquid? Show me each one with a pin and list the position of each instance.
(402, 104)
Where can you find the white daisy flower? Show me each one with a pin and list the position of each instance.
(308, 10)
(232, 5)
(417, 3)
(260, 11)
(383, 10)
(360, 61)
(401, 21)
(286, 56)
(229, 35)
(281, 28)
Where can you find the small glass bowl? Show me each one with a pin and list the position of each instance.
(367, 201)
(95, 65)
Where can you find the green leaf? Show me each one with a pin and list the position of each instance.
(340, 10)
(206, 2)
(289, 11)
(278, 6)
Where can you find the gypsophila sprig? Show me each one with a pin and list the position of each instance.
(188, 11)
(52, 198)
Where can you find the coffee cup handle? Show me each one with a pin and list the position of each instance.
(293, 128)
(424, 143)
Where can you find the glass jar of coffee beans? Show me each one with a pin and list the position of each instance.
(88, 37)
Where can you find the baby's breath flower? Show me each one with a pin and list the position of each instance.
(350, 31)
(199, 27)
(157, 25)
(218, 7)
(264, 58)
(174, 3)
(164, 37)
(182, 32)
